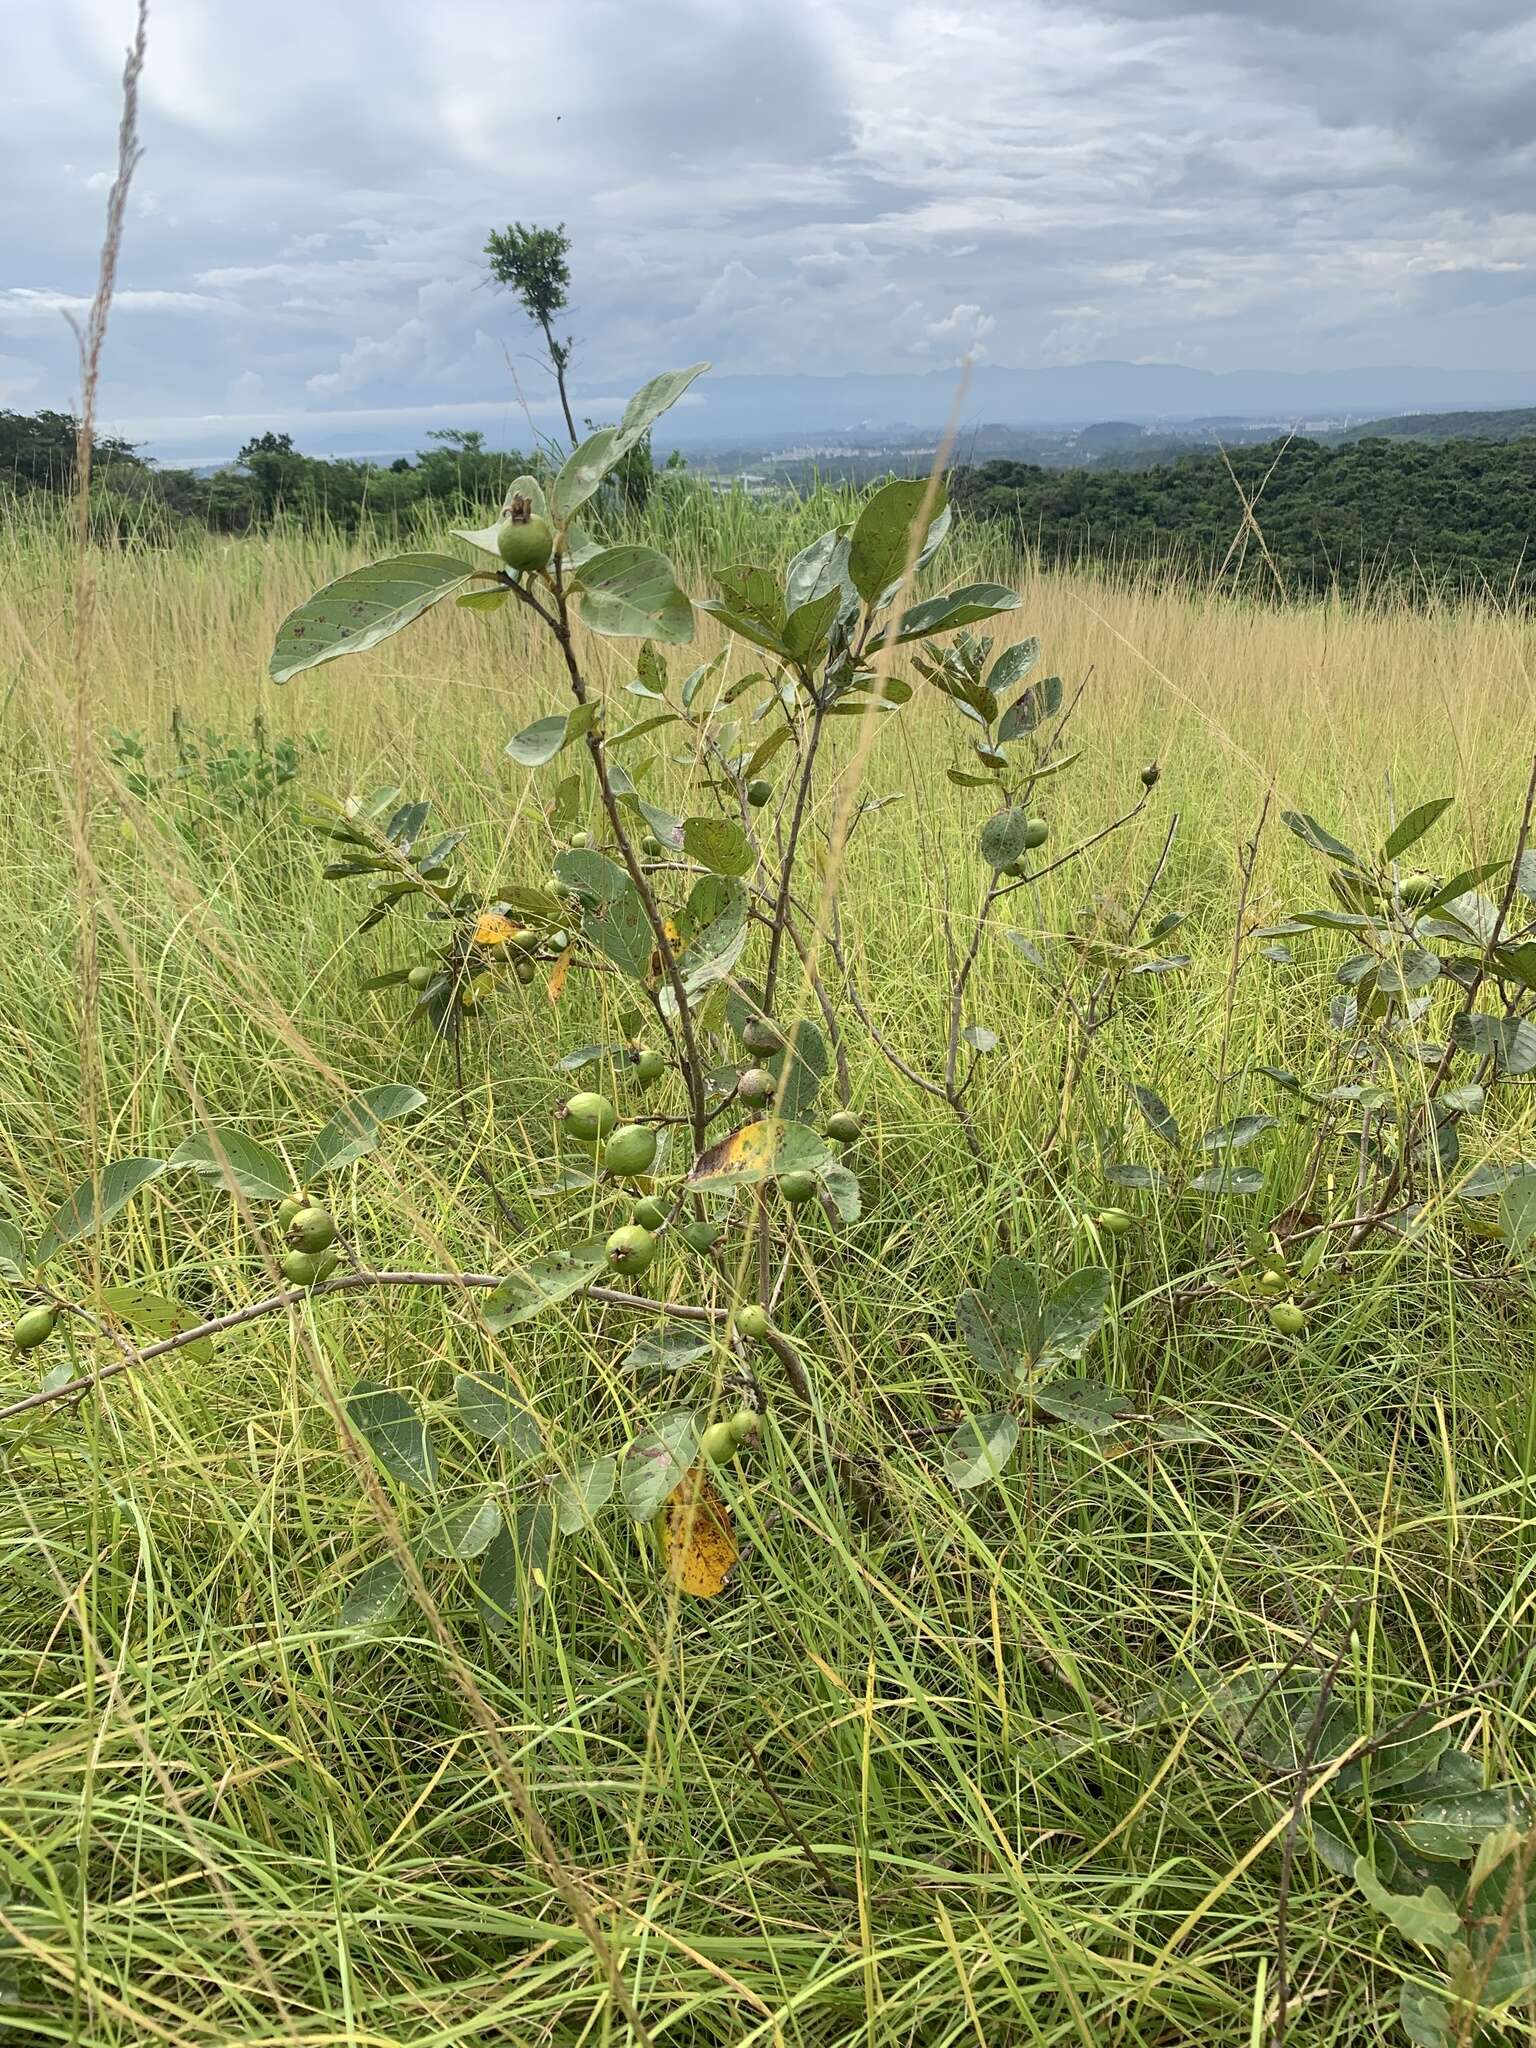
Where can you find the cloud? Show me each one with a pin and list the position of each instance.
(824, 186)
(960, 334)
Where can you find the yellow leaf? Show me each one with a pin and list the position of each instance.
(492, 929)
(700, 1542)
(557, 974)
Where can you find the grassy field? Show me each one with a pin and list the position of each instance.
(938, 1769)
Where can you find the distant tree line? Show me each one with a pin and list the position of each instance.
(271, 482)
(1372, 515)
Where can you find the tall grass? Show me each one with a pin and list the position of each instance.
(935, 1771)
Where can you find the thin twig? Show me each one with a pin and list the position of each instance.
(342, 1283)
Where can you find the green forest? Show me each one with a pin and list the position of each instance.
(1372, 515)
(133, 497)
(1376, 515)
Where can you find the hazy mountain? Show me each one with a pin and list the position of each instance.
(739, 409)
(1519, 425)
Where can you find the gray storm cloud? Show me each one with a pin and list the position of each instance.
(823, 187)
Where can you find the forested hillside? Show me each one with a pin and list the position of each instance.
(1374, 513)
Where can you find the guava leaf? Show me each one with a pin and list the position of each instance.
(817, 569)
(1228, 1180)
(1160, 1119)
(354, 1130)
(516, 1566)
(759, 1151)
(390, 1426)
(842, 1187)
(665, 1348)
(579, 1495)
(1003, 835)
(462, 1531)
(622, 932)
(979, 1449)
(716, 946)
(1321, 840)
(1427, 1916)
(1074, 1313)
(805, 1056)
(657, 1462)
(230, 1159)
(554, 1277)
(154, 1315)
(13, 1254)
(1240, 1132)
(807, 627)
(491, 1408)
(1414, 826)
(1083, 1404)
(963, 607)
(988, 1343)
(1511, 1040)
(633, 591)
(95, 1202)
(376, 1596)
(591, 874)
(359, 610)
(877, 553)
(718, 844)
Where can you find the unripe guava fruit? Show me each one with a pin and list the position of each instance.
(312, 1230)
(649, 1214)
(590, 1116)
(420, 977)
(525, 971)
(1288, 1319)
(631, 1248)
(700, 1237)
(843, 1127)
(797, 1187)
(289, 1208)
(525, 539)
(1151, 775)
(753, 1321)
(758, 1035)
(630, 1152)
(755, 1084)
(1272, 1281)
(1116, 1221)
(649, 1067)
(722, 1440)
(759, 793)
(302, 1269)
(650, 846)
(1036, 832)
(1418, 887)
(34, 1326)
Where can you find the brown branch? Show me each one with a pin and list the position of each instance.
(343, 1283)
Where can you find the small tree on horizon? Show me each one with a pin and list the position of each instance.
(535, 264)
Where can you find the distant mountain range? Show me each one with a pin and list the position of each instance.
(1518, 425)
(762, 412)
(762, 409)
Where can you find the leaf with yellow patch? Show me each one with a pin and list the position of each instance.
(760, 1151)
(492, 929)
(557, 975)
(700, 1544)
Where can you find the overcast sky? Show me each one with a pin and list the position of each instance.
(811, 185)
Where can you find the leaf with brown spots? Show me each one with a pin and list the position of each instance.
(700, 1544)
(760, 1151)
